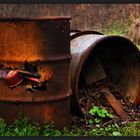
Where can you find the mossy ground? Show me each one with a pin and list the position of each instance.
(22, 127)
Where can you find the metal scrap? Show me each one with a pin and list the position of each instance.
(30, 77)
(115, 105)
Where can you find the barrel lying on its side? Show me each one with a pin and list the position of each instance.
(120, 60)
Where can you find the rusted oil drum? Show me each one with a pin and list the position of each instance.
(119, 57)
(44, 43)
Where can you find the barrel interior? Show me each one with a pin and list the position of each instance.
(120, 62)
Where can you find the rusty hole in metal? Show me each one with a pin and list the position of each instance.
(28, 77)
(31, 67)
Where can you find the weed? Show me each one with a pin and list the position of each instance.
(109, 130)
(22, 127)
(50, 130)
(131, 129)
(3, 127)
(98, 115)
(118, 28)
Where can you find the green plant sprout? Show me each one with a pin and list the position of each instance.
(98, 114)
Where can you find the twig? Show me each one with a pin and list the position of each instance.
(108, 122)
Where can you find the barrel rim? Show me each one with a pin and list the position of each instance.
(86, 32)
(35, 18)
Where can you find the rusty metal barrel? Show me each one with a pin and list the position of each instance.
(119, 58)
(45, 44)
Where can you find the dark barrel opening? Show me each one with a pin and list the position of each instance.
(114, 61)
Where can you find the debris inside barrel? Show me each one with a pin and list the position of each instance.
(101, 102)
(27, 77)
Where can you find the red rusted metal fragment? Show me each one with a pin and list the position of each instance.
(13, 78)
(115, 105)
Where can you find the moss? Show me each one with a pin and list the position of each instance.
(22, 127)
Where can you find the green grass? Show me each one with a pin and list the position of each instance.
(22, 127)
(117, 28)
